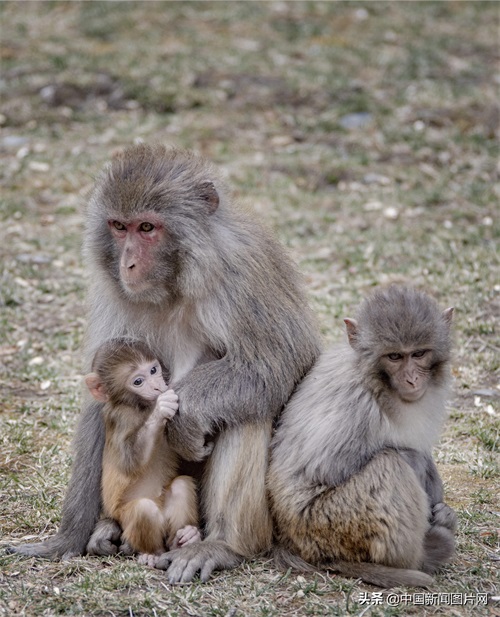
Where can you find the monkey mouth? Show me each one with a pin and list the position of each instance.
(411, 396)
(140, 292)
(134, 287)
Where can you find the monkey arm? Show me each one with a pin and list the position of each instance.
(441, 514)
(219, 394)
(139, 447)
(423, 465)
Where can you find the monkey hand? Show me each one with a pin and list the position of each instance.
(167, 405)
(195, 450)
(105, 539)
(182, 564)
(186, 535)
(188, 441)
(444, 516)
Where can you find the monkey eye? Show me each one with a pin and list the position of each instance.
(419, 354)
(153, 370)
(395, 356)
(147, 227)
(119, 226)
(138, 382)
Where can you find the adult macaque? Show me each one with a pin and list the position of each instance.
(220, 304)
(140, 486)
(352, 482)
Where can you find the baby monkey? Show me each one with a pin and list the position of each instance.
(140, 488)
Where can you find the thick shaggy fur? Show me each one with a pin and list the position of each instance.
(351, 477)
(227, 317)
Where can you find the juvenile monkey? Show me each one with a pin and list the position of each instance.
(140, 489)
(174, 263)
(352, 482)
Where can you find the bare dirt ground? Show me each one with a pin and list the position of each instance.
(365, 134)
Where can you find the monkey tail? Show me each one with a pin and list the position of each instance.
(373, 573)
(382, 576)
(284, 559)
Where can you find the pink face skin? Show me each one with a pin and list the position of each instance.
(409, 372)
(408, 369)
(147, 381)
(137, 240)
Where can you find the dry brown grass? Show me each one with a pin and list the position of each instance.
(265, 90)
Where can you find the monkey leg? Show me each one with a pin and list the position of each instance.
(105, 538)
(379, 516)
(180, 507)
(439, 543)
(143, 525)
(234, 492)
(235, 506)
(439, 548)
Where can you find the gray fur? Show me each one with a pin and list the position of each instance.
(351, 475)
(226, 316)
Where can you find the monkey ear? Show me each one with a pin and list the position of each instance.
(96, 387)
(351, 325)
(448, 315)
(208, 192)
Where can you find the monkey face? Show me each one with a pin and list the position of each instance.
(147, 380)
(144, 270)
(149, 226)
(409, 372)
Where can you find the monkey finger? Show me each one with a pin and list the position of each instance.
(207, 569)
(126, 550)
(146, 559)
(445, 516)
(105, 538)
(187, 535)
(181, 570)
(179, 566)
(189, 571)
(101, 548)
(167, 409)
(165, 560)
(169, 395)
(193, 452)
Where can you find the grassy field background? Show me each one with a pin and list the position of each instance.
(365, 134)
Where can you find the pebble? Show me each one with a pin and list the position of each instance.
(39, 166)
(13, 141)
(356, 121)
(373, 178)
(391, 213)
(27, 258)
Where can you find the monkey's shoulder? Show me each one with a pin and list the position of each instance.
(332, 383)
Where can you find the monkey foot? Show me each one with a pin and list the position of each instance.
(184, 563)
(147, 559)
(186, 535)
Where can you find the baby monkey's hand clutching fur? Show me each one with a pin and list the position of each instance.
(155, 508)
(167, 405)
